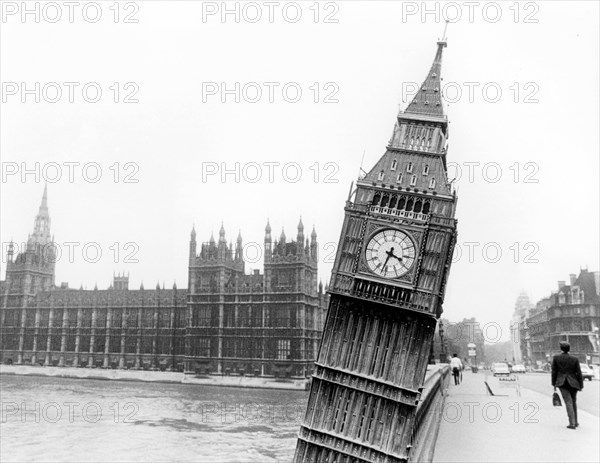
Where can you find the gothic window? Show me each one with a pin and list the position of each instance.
(394, 164)
(409, 167)
(283, 349)
(399, 178)
(409, 205)
(418, 206)
(426, 208)
(413, 180)
(426, 169)
(381, 175)
(401, 203)
(384, 201)
(376, 199)
(393, 202)
(432, 183)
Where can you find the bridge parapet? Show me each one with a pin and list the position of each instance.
(429, 413)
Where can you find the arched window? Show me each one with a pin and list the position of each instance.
(376, 199)
(393, 202)
(401, 203)
(426, 208)
(409, 205)
(418, 206)
(384, 201)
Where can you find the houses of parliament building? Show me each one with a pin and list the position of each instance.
(226, 323)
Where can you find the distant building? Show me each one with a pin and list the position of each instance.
(522, 308)
(227, 323)
(571, 314)
(258, 324)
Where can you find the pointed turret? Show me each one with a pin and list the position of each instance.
(239, 247)
(222, 234)
(193, 242)
(41, 226)
(10, 252)
(268, 242)
(428, 101)
(313, 244)
(421, 128)
(300, 238)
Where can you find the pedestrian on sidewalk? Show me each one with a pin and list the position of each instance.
(456, 366)
(566, 375)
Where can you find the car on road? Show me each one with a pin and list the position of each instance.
(500, 369)
(587, 372)
(519, 369)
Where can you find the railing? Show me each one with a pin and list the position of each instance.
(429, 413)
(399, 213)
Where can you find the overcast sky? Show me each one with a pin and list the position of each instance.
(536, 184)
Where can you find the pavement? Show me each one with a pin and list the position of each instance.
(508, 427)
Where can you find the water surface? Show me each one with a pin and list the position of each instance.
(61, 419)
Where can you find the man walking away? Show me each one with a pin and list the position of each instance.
(566, 375)
(456, 366)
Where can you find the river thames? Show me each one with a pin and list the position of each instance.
(59, 419)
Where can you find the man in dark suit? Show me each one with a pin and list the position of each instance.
(566, 375)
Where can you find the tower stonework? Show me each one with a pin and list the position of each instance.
(386, 293)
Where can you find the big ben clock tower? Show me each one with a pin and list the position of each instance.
(387, 288)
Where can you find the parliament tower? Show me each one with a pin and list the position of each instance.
(387, 288)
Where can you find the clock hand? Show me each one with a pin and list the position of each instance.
(399, 259)
(388, 258)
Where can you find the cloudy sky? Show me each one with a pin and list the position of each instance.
(189, 116)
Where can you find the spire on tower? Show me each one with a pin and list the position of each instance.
(44, 205)
(428, 100)
(300, 238)
(222, 234)
(41, 227)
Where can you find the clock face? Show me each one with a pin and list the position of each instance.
(390, 253)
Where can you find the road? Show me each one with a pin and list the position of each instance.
(588, 399)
